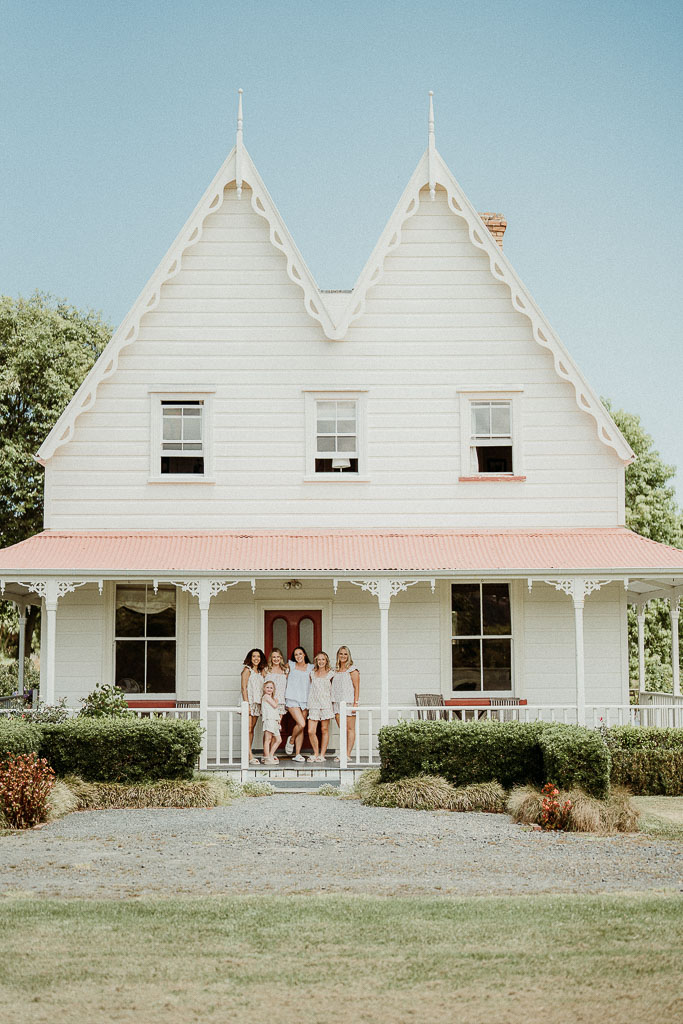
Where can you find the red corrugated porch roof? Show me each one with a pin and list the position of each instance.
(302, 551)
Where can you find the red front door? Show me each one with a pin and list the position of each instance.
(292, 628)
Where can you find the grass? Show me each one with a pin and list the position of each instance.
(604, 817)
(358, 960)
(661, 816)
(429, 793)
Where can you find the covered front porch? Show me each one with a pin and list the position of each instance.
(519, 624)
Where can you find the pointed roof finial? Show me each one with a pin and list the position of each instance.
(431, 148)
(238, 147)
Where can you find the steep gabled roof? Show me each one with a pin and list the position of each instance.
(431, 171)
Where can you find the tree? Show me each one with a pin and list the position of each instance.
(651, 510)
(46, 349)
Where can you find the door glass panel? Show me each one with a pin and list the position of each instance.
(466, 665)
(497, 656)
(280, 636)
(307, 637)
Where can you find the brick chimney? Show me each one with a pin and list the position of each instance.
(496, 224)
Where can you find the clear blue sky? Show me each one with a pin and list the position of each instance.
(564, 116)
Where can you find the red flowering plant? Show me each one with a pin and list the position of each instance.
(554, 815)
(25, 784)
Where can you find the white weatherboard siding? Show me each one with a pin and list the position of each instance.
(549, 648)
(80, 639)
(436, 322)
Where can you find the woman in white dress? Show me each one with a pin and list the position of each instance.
(320, 705)
(346, 687)
(296, 700)
(252, 690)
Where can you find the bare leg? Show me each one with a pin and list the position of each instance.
(297, 736)
(253, 719)
(350, 733)
(313, 736)
(325, 736)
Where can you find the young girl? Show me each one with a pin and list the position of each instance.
(346, 686)
(277, 671)
(320, 705)
(252, 687)
(271, 723)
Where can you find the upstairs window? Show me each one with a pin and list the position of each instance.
(491, 437)
(336, 440)
(481, 637)
(182, 441)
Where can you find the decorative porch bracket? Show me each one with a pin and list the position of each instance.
(49, 591)
(384, 589)
(578, 588)
(204, 589)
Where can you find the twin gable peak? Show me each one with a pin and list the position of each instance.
(239, 170)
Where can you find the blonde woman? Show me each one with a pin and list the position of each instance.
(251, 681)
(346, 687)
(320, 705)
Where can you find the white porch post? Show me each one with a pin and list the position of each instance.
(384, 589)
(21, 609)
(50, 590)
(578, 588)
(578, 596)
(641, 647)
(384, 599)
(204, 597)
(675, 657)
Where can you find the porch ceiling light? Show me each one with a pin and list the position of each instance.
(292, 585)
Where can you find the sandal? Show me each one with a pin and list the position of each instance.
(254, 760)
(312, 758)
(298, 757)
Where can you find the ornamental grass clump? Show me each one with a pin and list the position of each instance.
(429, 793)
(587, 813)
(25, 784)
(200, 792)
(257, 789)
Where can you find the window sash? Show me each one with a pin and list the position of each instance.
(483, 639)
(185, 420)
(139, 600)
(336, 428)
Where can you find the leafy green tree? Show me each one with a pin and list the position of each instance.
(46, 348)
(651, 510)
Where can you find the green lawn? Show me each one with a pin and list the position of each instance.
(346, 959)
(661, 816)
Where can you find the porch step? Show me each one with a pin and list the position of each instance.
(301, 785)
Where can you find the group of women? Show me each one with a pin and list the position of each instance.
(310, 693)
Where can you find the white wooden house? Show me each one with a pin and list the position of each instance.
(415, 468)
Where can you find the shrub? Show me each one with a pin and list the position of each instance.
(648, 761)
(429, 793)
(576, 757)
(257, 789)
(25, 784)
(17, 737)
(58, 712)
(327, 789)
(198, 792)
(463, 752)
(122, 749)
(554, 813)
(587, 814)
(105, 701)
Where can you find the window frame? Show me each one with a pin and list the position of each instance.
(180, 394)
(467, 398)
(485, 694)
(311, 398)
(147, 695)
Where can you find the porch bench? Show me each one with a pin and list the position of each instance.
(481, 704)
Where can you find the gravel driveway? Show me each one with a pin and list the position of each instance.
(304, 843)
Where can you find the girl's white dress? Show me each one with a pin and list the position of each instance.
(255, 692)
(270, 717)
(342, 688)
(279, 680)
(320, 697)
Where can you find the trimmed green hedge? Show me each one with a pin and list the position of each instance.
(122, 749)
(511, 753)
(18, 737)
(648, 761)
(575, 756)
